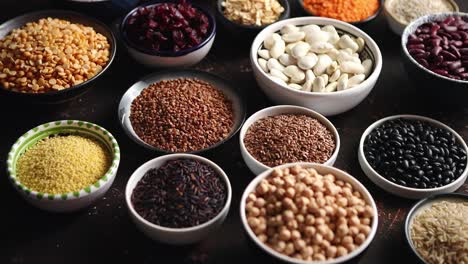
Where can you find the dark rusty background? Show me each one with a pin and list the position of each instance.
(104, 232)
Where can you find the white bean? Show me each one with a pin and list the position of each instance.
(310, 28)
(264, 54)
(342, 82)
(333, 35)
(321, 47)
(277, 80)
(361, 43)
(290, 46)
(295, 86)
(300, 50)
(344, 56)
(307, 86)
(316, 36)
(289, 29)
(352, 67)
(325, 78)
(347, 42)
(287, 59)
(322, 64)
(332, 68)
(263, 64)
(310, 76)
(269, 41)
(318, 85)
(334, 77)
(274, 64)
(355, 80)
(308, 61)
(333, 54)
(367, 64)
(294, 36)
(331, 87)
(296, 75)
(279, 74)
(278, 48)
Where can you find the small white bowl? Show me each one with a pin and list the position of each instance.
(398, 26)
(327, 104)
(256, 166)
(182, 58)
(399, 190)
(322, 169)
(175, 236)
(72, 201)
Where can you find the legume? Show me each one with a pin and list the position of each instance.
(181, 115)
(345, 10)
(62, 163)
(408, 10)
(314, 59)
(50, 55)
(180, 193)
(252, 12)
(415, 153)
(440, 232)
(304, 215)
(442, 47)
(287, 138)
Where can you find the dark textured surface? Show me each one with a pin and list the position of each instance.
(104, 232)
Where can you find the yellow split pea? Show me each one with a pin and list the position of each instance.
(63, 164)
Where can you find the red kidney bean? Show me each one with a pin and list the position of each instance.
(436, 50)
(448, 20)
(456, 43)
(459, 70)
(416, 46)
(449, 28)
(453, 65)
(423, 62)
(464, 75)
(447, 55)
(416, 51)
(434, 29)
(463, 34)
(455, 51)
(441, 72)
(414, 41)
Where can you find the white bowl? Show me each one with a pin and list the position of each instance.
(322, 169)
(327, 104)
(72, 201)
(182, 58)
(399, 190)
(175, 236)
(256, 166)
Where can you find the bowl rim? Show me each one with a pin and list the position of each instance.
(164, 159)
(343, 26)
(418, 22)
(347, 176)
(387, 9)
(50, 12)
(235, 91)
(434, 122)
(298, 110)
(357, 23)
(286, 14)
(166, 53)
(416, 207)
(55, 128)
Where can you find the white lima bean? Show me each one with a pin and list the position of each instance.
(278, 80)
(331, 87)
(321, 47)
(325, 78)
(294, 36)
(367, 64)
(289, 29)
(279, 74)
(300, 49)
(274, 64)
(307, 86)
(355, 80)
(278, 48)
(296, 74)
(316, 36)
(322, 64)
(287, 59)
(263, 64)
(308, 61)
(334, 77)
(309, 75)
(342, 82)
(332, 68)
(346, 42)
(264, 54)
(333, 37)
(318, 85)
(295, 86)
(269, 41)
(352, 67)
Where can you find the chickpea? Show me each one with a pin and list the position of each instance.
(307, 252)
(331, 251)
(341, 251)
(308, 193)
(353, 230)
(342, 230)
(263, 212)
(308, 180)
(325, 244)
(339, 182)
(290, 192)
(289, 181)
(310, 220)
(319, 221)
(270, 209)
(292, 224)
(300, 218)
(309, 231)
(357, 194)
(289, 250)
(300, 187)
(341, 212)
(318, 238)
(368, 211)
(277, 173)
(260, 202)
(322, 212)
(253, 222)
(342, 221)
(312, 172)
(299, 244)
(351, 211)
(301, 176)
(365, 221)
(278, 182)
(329, 235)
(254, 212)
(288, 215)
(350, 247)
(359, 208)
(295, 169)
(322, 229)
(251, 197)
(281, 192)
(330, 210)
(347, 240)
(364, 229)
(360, 238)
(288, 203)
(285, 234)
(271, 231)
(295, 235)
(262, 188)
(342, 202)
(262, 237)
(354, 221)
(329, 178)
(319, 257)
(297, 256)
(280, 246)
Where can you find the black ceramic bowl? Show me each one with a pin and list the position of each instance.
(417, 207)
(246, 30)
(229, 91)
(357, 23)
(69, 93)
(442, 89)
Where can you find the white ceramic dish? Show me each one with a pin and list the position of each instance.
(257, 167)
(327, 104)
(398, 26)
(175, 236)
(182, 58)
(72, 201)
(322, 169)
(399, 190)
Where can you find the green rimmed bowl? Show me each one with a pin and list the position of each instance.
(72, 201)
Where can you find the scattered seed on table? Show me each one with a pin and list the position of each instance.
(286, 138)
(415, 153)
(182, 115)
(180, 193)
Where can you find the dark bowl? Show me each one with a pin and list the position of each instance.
(69, 93)
(357, 23)
(417, 206)
(249, 31)
(230, 91)
(442, 90)
(103, 9)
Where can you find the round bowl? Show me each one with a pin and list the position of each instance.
(327, 104)
(456, 90)
(182, 58)
(322, 169)
(249, 30)
(398, 26)
(421, 205)
(66, 94)
(175, 236)
(72, 201)
(357, 23)
(399, 190)
(256, 166)
(230, 92)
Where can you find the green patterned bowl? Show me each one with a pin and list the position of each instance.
(71, 201)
